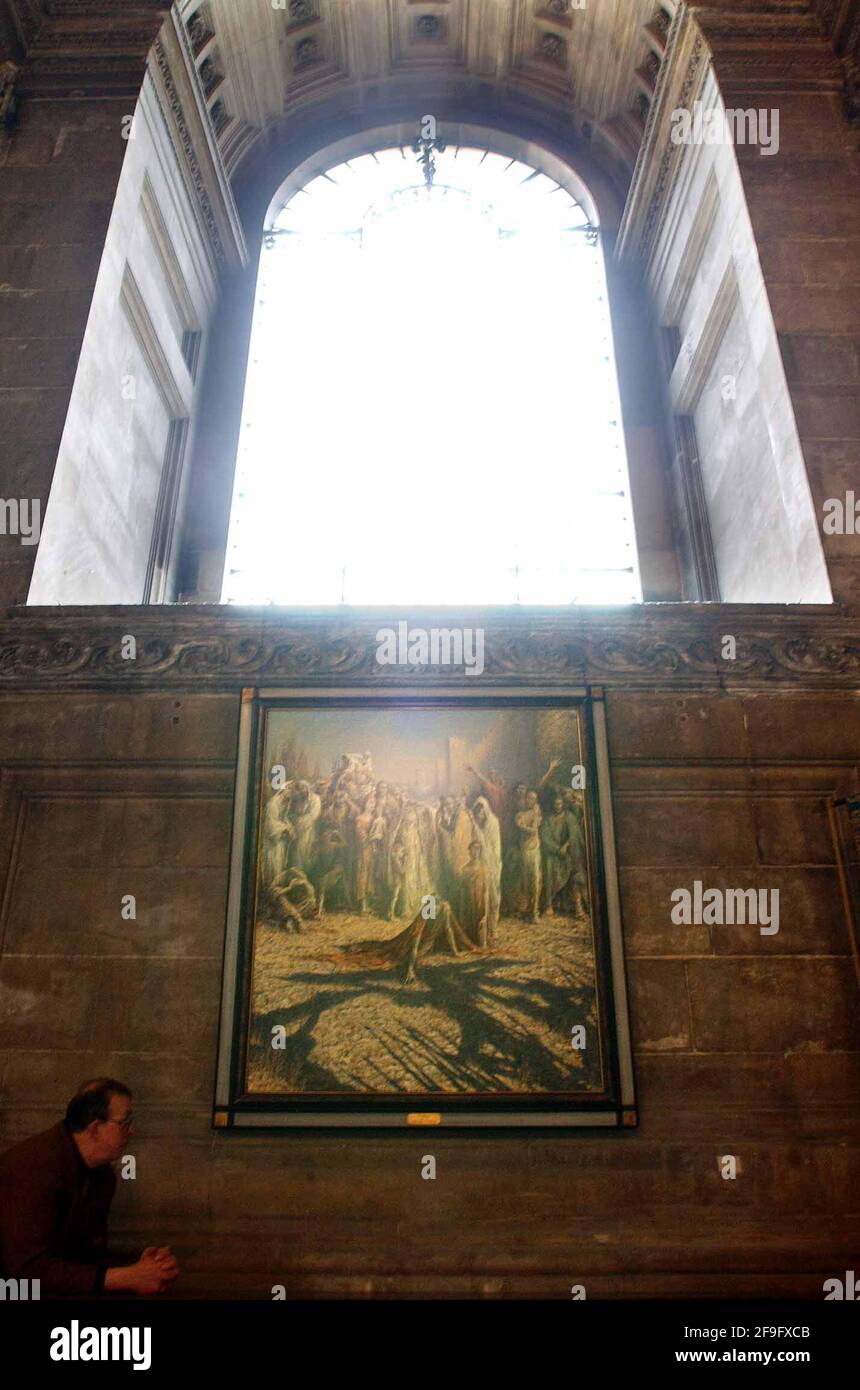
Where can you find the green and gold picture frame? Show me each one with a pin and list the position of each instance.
(423, 920)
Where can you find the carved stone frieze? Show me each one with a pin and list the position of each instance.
(679, 81)
(669, 646)
(180, 125)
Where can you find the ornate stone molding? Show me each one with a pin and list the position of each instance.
(180, 125)
(184, 111)
(679, 82)
(669, 646)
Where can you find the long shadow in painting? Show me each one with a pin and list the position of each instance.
(494, 1014)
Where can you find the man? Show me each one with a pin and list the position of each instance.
(331, 865)
(453, 835)
(397, 878)
(304, 812)
(278, 833)
(492, 789)
(578, 886)
(528, 823)
(513, 891)
(545, 790)
(558, 844)
(295, 899)
(409, 872)
(474, 897)
(55, 1194)
(487, 832)
(340, 816)
(369, 834)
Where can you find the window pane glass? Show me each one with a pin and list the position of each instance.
(431, 411)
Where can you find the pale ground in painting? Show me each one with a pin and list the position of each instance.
(499, 1020)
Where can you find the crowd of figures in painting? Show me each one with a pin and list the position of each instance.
(351, 843)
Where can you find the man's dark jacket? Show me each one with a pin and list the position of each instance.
(53, 1215)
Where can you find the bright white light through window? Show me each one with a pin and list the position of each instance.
(431, 411)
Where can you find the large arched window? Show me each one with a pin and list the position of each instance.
(431, 410)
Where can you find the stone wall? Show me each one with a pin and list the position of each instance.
(129, 420)
(59, 177)
(117, 783)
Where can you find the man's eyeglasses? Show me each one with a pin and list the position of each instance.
(123, 1124)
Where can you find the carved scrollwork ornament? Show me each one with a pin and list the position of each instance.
(209, 650)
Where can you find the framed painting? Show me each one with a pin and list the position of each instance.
(423, 918)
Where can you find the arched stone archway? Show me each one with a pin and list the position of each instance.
(316, 139)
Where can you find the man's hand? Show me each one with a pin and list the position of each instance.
(154, 1272)
(165, 1257)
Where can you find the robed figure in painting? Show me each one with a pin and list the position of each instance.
(409, 871)
(369, 839)
(528, 823)
(278, 833)
(304, 812)
(487, 832)
(560, 852)
(453, 833)
(474, 897)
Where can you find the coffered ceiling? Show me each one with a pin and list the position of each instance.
(594, 59)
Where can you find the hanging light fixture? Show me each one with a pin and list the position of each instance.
(427, 145)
